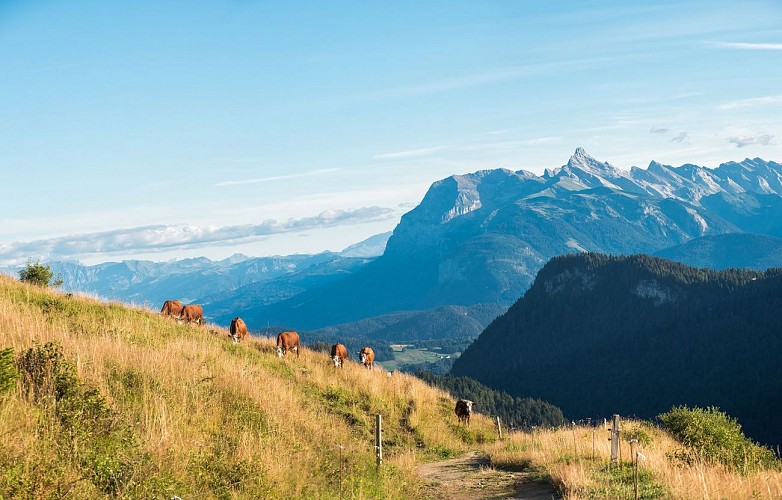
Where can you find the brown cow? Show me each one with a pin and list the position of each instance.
(238, 330)
(172, 308)
(367, 357)
(339, 354)
(288, 341)
(463, 411)
(193, 313)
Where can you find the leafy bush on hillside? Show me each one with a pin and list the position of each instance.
(715, 437)
(89, 433)
(8, 373)
(39, 274)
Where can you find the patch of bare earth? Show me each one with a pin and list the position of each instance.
(471, 476)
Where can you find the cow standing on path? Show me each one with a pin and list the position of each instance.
(463, 411)
(288, 341)
(339, 354)
(367, 357)
(238, 330)
(193, 314)
(172, 308)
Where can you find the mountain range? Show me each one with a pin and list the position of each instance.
(635, 335)
(195, 280)
(476, 241)
(481, 238)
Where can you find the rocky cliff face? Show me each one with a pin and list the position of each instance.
(482, 237)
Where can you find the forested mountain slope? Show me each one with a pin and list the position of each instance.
(597, 335)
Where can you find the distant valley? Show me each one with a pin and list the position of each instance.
(472, 247)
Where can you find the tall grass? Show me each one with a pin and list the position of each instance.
(565, 456)
(186, 411)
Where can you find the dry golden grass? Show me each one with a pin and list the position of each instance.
(566, 456)
(214, 419)
(211, 419)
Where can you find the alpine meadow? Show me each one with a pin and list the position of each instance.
(442, 250)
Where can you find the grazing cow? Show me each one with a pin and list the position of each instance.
(288, 341)
(367, 357)
(193, 314)
(463, 411)
(339, 354)
(172, 308)
(238, 330)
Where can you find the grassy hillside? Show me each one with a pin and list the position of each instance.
(566, 456)
(138, 406)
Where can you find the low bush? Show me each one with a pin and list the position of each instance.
(8, 373)
(712, 436)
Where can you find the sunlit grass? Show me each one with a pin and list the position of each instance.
(210, 416)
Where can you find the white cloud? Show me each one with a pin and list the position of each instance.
(681, 137)
(655, 130)
(747, 45)
(768, 100)
(258, 180)
(749, 140)
(181, 236)
(410, 153)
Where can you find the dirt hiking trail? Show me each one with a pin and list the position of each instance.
(471, 476)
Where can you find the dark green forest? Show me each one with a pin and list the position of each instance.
(636, 335)
(515, 412)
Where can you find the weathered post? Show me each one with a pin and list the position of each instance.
(379, 439)
(615, 440)
(340, 471)
(575, 445)
(499, 427)
(634, 459)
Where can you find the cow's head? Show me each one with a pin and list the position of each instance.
(469, 405)
(336, 360)
(280, 352)
(363, 356)
(235, 338)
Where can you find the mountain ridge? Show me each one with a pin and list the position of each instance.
(482, 237)
(597, 335)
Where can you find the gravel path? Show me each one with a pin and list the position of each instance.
(471, 476)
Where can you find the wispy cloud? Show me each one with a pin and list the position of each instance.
(478, 146)
(410, 153)
(655, 130)
(747, 45)
(768, 100)
(160, 238)
(258, 180)
(750, 140)
(681, 137)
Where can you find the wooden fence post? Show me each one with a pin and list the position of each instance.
(340, 471)
(615, 440)
(379, 439)
(634, 461)
(499, 427)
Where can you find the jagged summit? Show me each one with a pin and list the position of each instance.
(480, 238)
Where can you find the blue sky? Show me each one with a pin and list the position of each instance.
(171, 129)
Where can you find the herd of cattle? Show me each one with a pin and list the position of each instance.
(289, 341)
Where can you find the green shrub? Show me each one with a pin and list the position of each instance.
(45, 373)
(39, 274)
(712, 436)
(8, 373)
(639, 433)
(102, 446)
